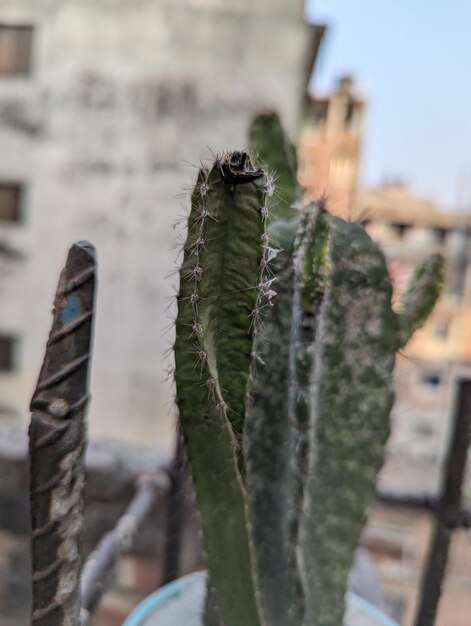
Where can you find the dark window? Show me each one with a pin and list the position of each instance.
(7, 353)
(15, 49)
(318, 111)
(441, 234)
(349, 113)
(431, 379)
(401, 229)
(10, 202)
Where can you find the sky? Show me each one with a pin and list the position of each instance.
(412, 62)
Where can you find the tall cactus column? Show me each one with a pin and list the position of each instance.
(356, 338)
(220, 300)
(352, 394)
(57, 444)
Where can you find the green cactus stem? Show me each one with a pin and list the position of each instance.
(421, 295)
(273, 149)
(352, 395)
(221, 287)
(311, 263)
(269, 436)
(268, 449)
(347, 338)
(275, 434)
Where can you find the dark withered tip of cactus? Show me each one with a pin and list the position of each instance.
(237, 168)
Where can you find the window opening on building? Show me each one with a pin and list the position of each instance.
(8, 344)
(400, 229)
(11, 195)
(431, 379)
(441, 234)
(15, 49)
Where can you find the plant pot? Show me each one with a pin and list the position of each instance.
(180, 603)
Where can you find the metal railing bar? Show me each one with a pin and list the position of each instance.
(424, 502)
(101, 562)
(449, 508)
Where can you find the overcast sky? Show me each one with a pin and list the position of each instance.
(412, 60)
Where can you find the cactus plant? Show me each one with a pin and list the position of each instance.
(221, 279)
(284, 398)
(272, 148)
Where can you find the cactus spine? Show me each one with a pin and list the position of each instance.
(284, 426)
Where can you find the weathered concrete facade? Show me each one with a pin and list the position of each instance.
(120, 96)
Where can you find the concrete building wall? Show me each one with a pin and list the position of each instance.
(121, 97)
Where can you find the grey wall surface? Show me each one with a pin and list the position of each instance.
(124, 99)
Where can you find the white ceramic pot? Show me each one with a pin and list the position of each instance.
(180, 603)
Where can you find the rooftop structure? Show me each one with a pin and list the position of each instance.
(330, 143)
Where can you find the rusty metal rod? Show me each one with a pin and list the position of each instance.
(423, 502)
(57, 440)
(449, 507)
(103, 559)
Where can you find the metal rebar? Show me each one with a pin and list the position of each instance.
(423, 502)
(57, 440)
(102, 560)
(449, 508)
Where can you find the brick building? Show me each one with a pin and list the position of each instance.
(329, 146)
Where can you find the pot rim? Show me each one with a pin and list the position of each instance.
(173, 589)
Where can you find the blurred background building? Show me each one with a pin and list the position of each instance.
(106, 109)
(329, 146)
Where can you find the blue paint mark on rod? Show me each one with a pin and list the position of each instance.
(72, 310)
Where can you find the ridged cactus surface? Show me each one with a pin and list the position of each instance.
(352, 394)
(275, 152)
(220, 285)
(284, 364)
(269, 453)
(269, 435)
